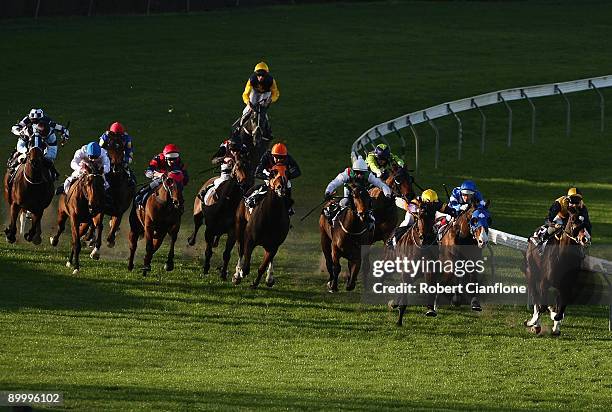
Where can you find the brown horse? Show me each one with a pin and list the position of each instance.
(160, 215)
(83, 204)
(343, 238)
(121, 189)
(385, 211)
(31, 190)
(220, 215)
(267, 225)
(557, 267)
(463, 239)
(418, 243)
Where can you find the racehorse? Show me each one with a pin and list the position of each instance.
(463, 239)
(385, 211)
(419, 243)
(122, 190)
(219, 215)
(30, 188)
(343, 238)
(83, 204)
(267, 225)
(557, 267)
(255, 133)
(160, 215)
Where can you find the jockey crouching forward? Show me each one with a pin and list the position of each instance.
(357, 174)
(462, 197)
(260, 89)
(277, 156)
(381, 161)
(90, 158)
(116, 130)
(169, 160)
(229, 152)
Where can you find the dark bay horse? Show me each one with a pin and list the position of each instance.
(160, 215)
(31, 190)
(558, 267)
(219, 215)
(419, 243)
(351, 229)
(83, 204)
(385, 211)
(267, 225)
(121, 189)
(255, 133)
(463, 239)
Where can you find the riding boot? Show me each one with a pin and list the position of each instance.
(59, 190)
(397, 234)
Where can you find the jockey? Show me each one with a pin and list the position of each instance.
(260, 88)
(169, 160)
(558, 215)
(463, 196)
(278, 156)
(36, 121)
(381, 161)
(358, 174)
(87, 159)
(227, 154)
(117, 129)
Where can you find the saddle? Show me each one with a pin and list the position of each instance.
(254, 198)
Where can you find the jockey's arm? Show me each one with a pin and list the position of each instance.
(106, 165)
(79, 156)
(340, 180)
(554, 210)
(371, 162)
(19, 128)
(51, 149)
(293, 169)
(103, 140)
(275, 92)
(247, 92)
(261, 171)
(219, 155)
(587, 222)
(373, 180)
(59, 128)
(397, 160)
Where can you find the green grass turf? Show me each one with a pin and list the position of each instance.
(112, 340)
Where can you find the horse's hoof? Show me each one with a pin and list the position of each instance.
(223, 276)
(254, 285)
(27, 237)
(169, 266)
(270, 282)
(75, 272)
(350, 287)
(558, 317)
(526, 323)
(476, 307)
(536, 329)
(431, 313)
(555, 333)
(191, 241)
(392, 305)
(236, 280)
(11, 239)
(398, 324)
(68, 264)
(95, 254)
(110, 244)
(130, 266)
(37, 240)
(205, 269)
(145, 273)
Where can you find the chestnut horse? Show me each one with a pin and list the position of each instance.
(558, 267)
(83, 204)
(350, 229)
(418, 243)
(220, 216)
(31, 190)
(121, 189)
(463, 239)
(267, 225)
(160, 215)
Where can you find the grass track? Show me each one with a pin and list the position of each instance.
(110, 340)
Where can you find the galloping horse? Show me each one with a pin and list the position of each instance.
(220, 215)
(160, 215)
(419, 243)
(385, 211)
(463, 239)
(121, 189)
(343, 238)
(84, 204)
(255, 133)
(559, 267)
(267, 225)
(31, 190)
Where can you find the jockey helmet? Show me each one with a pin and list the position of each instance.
(429, 195)
(574, 196)
(262, 68)
(468, 187)
(279, 149)
(234, 143)
(360, 165)
(171, 151)
(36, 114)
(93, 150)
(116, 128)
(382, 152)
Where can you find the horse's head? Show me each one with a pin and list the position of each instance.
(36, 147)
(400, 181)
(115, 148)
(576, 230)
(240, 169)
(480, 220)
(93, 186)
(425, 217)
(278, 180)
(361, 201)
(173, 187)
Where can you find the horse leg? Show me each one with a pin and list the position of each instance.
(557, 313)
(432, 299)
(475, 302)
(354, 268)
(198, 220)
(267, 261)
(208, 251)
(11, 231)
(76, 245)
(61, 226)
(98, 225)
(332, 286)
(112, 233)
(133, 244)
(534, 322)
(244, 263)
(227, 253)
(29, 236)
(148, 250)
(169, 266)
(326, 247)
